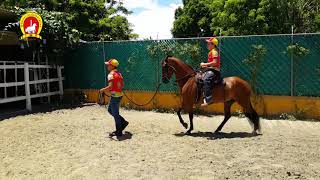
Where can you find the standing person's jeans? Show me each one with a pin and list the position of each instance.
(113, 109)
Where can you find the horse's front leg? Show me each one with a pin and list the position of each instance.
(191, 123)
(185, 125)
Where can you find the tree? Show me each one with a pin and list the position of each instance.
(243, 17)
(68, 22)
(177, 49)
(93, 20)
(193, 20)
(254, 61)
(297, 52)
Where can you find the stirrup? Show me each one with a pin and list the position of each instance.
(205, 103)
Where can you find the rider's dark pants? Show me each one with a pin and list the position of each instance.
(211, 78)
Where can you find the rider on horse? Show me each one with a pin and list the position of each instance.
(212, 70)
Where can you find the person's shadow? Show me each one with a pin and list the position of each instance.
(220, 135)
(126, 135)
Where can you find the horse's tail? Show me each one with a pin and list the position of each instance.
(250, 112)
(254, 118)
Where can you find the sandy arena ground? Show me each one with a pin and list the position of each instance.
(73, 144)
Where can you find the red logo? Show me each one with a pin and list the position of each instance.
(31, 25)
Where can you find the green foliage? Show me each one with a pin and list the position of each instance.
(93, 19)
(55, 28)
(286, 116)
(191, 19)
(297, 51)
(243, 17)
(74, 97)
(318, 70)
(176, 49)
(254, 61)
(66, 22)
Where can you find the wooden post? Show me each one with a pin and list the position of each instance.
(16, 79)
(27, 87)
(5, 80)
(60, 81)
(48, 77)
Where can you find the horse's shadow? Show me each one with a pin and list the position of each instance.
(220, 135)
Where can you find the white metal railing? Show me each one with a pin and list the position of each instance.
(27, 83)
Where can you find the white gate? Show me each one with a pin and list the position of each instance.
(27, 83)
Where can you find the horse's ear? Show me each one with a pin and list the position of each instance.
(166, 59)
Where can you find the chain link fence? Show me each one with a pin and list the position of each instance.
(290, 64)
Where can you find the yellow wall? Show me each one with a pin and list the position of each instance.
(266, 105)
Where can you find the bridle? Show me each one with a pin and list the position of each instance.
(167, 67)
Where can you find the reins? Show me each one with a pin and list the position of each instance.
(157, 90)
(101, 97)
(186, 76)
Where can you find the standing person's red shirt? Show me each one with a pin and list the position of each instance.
(117, 80)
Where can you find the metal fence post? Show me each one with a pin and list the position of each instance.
(220, 36)
(27, 87)
(292, 64)
(104, 67)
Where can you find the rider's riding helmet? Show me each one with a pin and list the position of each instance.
(213, 40)
(112, 62)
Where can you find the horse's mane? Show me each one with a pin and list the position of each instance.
(190, 66)
(180, 61)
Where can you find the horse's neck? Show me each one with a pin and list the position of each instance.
(182, 70)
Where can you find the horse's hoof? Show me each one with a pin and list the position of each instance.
(217, 131)
(188, 133)
(185, 125)
(254, 133)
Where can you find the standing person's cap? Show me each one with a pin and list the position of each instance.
(213, 40)
(112, 62)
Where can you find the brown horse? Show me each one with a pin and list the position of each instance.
(233, 90)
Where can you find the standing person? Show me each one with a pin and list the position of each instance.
(212, 68)
(115, 86)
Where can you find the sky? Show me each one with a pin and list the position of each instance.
(152, 18)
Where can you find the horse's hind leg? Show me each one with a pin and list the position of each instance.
(185, 125)
(251, 114)
(191, 123)
(227, 114)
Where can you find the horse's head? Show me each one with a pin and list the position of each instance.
(167, 69)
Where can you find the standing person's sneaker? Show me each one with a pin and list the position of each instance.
(118, 131)
(115, 133)
(124, 124)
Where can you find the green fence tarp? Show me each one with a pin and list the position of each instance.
(84, 68)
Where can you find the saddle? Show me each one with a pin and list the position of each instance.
(199, 77)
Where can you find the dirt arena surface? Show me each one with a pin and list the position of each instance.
(73, 144)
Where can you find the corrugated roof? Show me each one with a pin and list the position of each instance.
(8, 38)
(7, 16)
